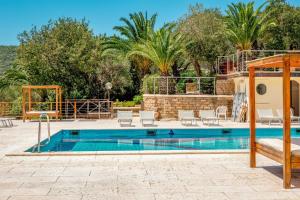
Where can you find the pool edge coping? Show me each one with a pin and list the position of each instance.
(105, 153)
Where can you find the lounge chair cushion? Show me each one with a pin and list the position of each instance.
(277, 144)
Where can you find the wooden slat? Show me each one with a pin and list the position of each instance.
(272, 155)
(294, 60)
(41, 86)
(252, 116)
(295, 158)
(295, 165)
(286, 125)
(267, 62)
(275, 64)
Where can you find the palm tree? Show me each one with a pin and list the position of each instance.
(163, 48)
(245, 24)
(136, 29)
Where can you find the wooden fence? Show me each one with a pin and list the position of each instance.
(71, 108)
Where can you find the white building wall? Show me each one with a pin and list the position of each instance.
(272, 98)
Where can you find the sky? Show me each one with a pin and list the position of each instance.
(17, 16)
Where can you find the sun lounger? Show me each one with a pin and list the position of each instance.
(293, 118)
(148, 117)
(221, 111)
(124, 117)
(186, 116)
(208, 116)
(267, 115)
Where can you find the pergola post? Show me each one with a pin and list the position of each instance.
(29, 99)
(56, 103)
(252, 116)
(286, 124)
(23, 104)
(60, 102)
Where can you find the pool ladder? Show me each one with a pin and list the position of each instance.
(38, 146)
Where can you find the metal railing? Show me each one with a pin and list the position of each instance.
(170, 85)
(88, 108)
(237, 62)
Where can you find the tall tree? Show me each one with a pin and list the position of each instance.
(286, 33)
(245, 24)
(65, 52)
(204, 28)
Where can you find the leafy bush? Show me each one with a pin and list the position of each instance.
(16, 108)
(138, 99)
(124, 104)
(180, 86)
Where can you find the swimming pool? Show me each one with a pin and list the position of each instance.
(155, 139)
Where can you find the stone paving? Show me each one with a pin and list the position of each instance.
(157, 177)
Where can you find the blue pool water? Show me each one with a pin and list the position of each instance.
(156, 139)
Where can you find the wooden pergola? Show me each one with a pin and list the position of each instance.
(27, 92)
(289, 160)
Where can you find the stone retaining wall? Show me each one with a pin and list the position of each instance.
(167, 106)
(225, 86)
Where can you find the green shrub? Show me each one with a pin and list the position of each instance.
(124, 103)
(16, 108)
(138, 99)
(180, 86)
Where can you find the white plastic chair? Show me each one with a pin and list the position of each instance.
(221, 111)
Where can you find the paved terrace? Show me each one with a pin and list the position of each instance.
(196, 176)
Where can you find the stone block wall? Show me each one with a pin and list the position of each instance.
(225, 86)
(167, 106)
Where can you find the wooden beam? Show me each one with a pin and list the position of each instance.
(23, 104)
(41, 86)
(56, 103)
(294, 60)
(276, 61)
(60, 102)
(286, 125)
(29, 99)
(271, 61)
(252, 116)
(275, 64)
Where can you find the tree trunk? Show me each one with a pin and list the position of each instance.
(197, 68)
(167, 85)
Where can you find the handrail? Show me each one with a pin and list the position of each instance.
(236, 63)
(40, 131)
